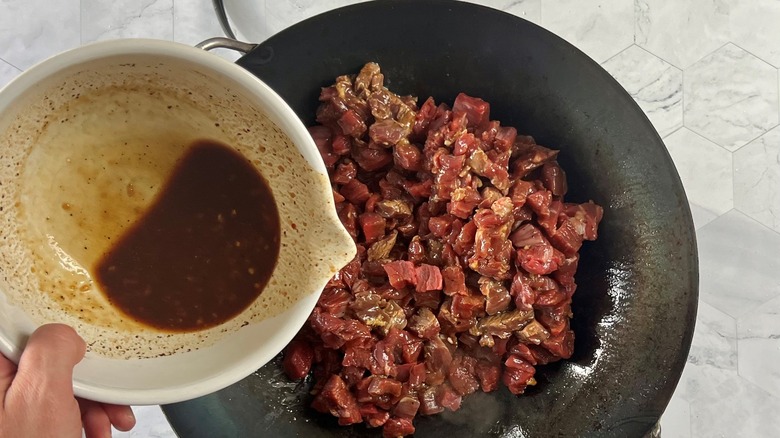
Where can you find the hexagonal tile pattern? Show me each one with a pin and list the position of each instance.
(7, 72)
(711, 385)
(194, 21)
(701, 216)
(681, 32)
(653, 83)
(725, 405)
(754, 27)
(730, 97)
(249, 19)
(706, 172)
(601, 28)
(103, 20)
(283, 14)
(714, 341)
(757, 179)
(32, 30)
(738, 266)
(758, 335)
(530, 10)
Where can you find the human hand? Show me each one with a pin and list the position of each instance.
(36, 398)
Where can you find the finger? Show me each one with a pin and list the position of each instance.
(7, 372)
(46, 365)
(94, 419)
(121, 417)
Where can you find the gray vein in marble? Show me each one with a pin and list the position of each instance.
(7, 72)
(641, 21)
(194, 21)
(680, 32)
(731, 97)
(653, 83)
(150, 19)
(715, 343)
(530, 10)
(723, 404)
(32, 30)
(757, 179)
(282, 14)
(753, 26)
(599, 28)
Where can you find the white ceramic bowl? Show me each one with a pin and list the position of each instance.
(126, 363)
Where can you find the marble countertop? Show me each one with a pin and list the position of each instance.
(706, 74)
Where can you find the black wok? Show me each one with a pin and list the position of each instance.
(638, 284)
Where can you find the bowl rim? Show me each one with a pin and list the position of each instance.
(279, 112)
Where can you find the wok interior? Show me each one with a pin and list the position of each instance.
(637, 284)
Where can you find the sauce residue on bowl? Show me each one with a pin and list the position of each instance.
(203, 251)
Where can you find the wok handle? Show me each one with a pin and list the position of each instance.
(221, 42)
(226, 43)
(655, 432)
(219, 8)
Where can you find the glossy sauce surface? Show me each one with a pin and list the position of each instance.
(203, 251)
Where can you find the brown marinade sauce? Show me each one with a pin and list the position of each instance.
(204, 250)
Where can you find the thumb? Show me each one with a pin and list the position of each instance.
(7, 373)
(47, 362)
